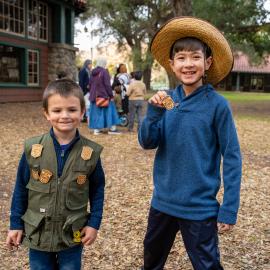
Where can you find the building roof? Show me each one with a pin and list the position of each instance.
(242, 64)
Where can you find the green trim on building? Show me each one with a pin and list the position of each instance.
(62, 24)
(23, 66)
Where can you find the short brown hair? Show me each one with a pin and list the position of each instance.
(64, 88)
(189, 44)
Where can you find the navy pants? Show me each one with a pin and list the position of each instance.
(67, 259)
(200, 240)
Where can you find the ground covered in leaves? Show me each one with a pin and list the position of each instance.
(128, 171)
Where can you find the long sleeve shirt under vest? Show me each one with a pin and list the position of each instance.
(20, 195)
(191, 140)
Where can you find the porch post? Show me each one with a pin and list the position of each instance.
(62, 25)
(72, 15)
(238, 81)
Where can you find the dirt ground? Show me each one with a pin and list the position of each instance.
(128, 171)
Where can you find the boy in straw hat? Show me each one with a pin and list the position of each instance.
(192, 128)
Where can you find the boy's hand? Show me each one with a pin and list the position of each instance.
(156, 99)
(89, 235)
(14, 238)
(224, 227)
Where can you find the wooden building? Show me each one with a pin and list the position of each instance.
(247, 77)
(36, 43)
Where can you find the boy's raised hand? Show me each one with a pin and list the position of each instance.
(89, 235)
(14, 238)
(156, 99)
(222, 227)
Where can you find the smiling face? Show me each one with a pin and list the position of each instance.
(64, 114)
(189, 67)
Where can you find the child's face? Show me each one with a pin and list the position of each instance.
(64, 113)
(123, 69)
(189, 67)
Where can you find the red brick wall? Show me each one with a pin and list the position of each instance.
(8, 94)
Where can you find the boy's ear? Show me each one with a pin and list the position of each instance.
(45, 114)
(82, 113)
(171, 64)
(208, 62)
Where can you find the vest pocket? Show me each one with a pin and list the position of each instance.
(77, 195)
(33, 221)
(36, 185)
(73, 224)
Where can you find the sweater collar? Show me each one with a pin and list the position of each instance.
(68, 146)
(181, 93)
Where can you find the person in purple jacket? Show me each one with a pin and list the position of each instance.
(193, 129)
(100, 86)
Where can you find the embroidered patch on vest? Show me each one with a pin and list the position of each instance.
(81, 179)
(77, 237)
(86, 152)
(35, 174)
(36, 150)
(45, 176)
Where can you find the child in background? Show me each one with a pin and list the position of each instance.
(136, 92)
(192, 128)
(58, 174)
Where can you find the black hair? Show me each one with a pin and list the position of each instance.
(132, 74)
(138, 75)
(64, 88)
(189, 44)
(119, 67)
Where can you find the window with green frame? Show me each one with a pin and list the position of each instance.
(12, 16)
(37, 20)
(33, 67)
(13, 68)
(11, 64)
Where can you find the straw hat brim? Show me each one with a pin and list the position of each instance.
(181, 27)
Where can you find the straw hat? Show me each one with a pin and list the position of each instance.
(181, 27)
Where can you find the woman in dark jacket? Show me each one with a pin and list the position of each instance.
(84, 75)
(100, 86)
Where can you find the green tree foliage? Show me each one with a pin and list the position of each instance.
(243, 22)
(135, 22)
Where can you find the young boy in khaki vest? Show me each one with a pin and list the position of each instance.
(58, 174)
(192, 128)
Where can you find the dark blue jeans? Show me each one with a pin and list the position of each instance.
(67, 259)
(200, 240)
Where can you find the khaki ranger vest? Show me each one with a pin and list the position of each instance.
(57, 206)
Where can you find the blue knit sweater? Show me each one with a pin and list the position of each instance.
(191, 139)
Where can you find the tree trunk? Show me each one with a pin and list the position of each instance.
(182, 7)
(147, 69)
(147, 77)
(144, 65)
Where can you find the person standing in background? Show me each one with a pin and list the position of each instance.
(84, 76)
(100, 87)
(136, 92)
(120, 82)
